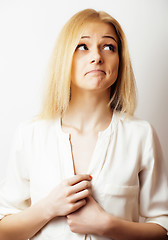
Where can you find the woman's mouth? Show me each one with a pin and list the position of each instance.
(96, 71)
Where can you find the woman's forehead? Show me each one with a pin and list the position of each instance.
(99, 28)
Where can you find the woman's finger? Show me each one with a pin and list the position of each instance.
(80, 195)
(85, 184)
(78, 205)
(78, 178)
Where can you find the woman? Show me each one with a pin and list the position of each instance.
(86, 169)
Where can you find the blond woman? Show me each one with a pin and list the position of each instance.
(86, 168)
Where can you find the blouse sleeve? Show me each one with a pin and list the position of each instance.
(14, 189)
(153, 183)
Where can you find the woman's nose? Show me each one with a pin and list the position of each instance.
(96, 57)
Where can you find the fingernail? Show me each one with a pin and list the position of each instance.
(90, 176)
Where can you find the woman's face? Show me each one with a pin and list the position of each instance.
(96, 60)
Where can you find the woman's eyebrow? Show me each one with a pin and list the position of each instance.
(85, 37)
(106, 36)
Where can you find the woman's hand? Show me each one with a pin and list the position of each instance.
(68, 196)
(92, 219)
(88, 219)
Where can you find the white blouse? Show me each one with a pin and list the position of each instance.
(129, 180)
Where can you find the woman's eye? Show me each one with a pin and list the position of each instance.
(109, 47)
(82, 47)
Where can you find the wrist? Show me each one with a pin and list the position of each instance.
(46, 209)
(108, 226)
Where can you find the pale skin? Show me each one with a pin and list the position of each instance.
(94, 70)
(66, 198)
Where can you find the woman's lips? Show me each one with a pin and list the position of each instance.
(96, 71)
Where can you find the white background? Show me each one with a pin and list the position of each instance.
(28, 30)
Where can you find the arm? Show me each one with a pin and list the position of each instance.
(25, 224)
(120, 230)
(83, 221)
(66, 198)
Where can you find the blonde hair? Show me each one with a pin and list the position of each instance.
(57, 95)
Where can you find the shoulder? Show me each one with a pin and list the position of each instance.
(32, 127)
(133, 126)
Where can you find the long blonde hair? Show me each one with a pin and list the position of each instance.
(57, 95)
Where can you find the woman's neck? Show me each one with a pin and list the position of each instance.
(88, 111)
